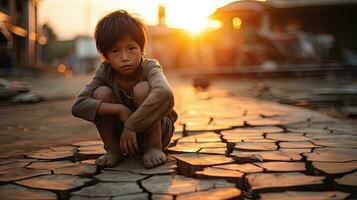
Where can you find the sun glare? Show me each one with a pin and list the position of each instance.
(192, 16)
(199, 26)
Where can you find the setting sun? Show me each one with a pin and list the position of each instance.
(193, 16)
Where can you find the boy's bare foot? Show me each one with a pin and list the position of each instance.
(109, 159)
(153, 158)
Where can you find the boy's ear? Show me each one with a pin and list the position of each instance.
(102, 57)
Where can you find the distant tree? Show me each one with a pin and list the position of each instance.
(49, 33)
(51, 38)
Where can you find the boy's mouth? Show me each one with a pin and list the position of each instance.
(126, 66)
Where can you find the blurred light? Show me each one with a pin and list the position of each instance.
(191, 16)
(19, 31)
(68, 73)
(237, 23)
(196, 27)
(61, 68)
(32, 36)
(214, 24)
(4, 17)
(42, 40)
(205, 25)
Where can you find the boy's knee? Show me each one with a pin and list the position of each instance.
(104, 93)
(141, 91)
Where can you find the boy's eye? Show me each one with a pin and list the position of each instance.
(132, 48)
(114, 51)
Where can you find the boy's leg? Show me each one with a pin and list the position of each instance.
(152, 145)
(167, 130)
(105, 126)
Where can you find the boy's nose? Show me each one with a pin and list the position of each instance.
(124, 57)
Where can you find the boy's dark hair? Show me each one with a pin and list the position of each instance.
(116, 26)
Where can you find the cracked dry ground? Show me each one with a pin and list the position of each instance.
(224, 147)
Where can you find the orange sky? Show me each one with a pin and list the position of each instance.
(73, 17)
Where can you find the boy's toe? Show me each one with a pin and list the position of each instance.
(107, 160)
(156, 161)
(148, 164)
(109, 163)
(153, 158)
(163, 159)
(160, 161)
(101, 161)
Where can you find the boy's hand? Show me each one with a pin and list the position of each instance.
(128, 142)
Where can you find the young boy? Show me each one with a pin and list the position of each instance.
(128, 99)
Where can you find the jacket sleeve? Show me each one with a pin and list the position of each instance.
(158, 104)
(85, 106)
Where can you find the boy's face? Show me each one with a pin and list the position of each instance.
(125, 56)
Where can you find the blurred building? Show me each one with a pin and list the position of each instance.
(286, 31)
(173, 47)
(20, 41)
(79, 55)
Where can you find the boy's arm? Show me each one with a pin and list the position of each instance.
(85, 106)
(158, 104)
(114, 109)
